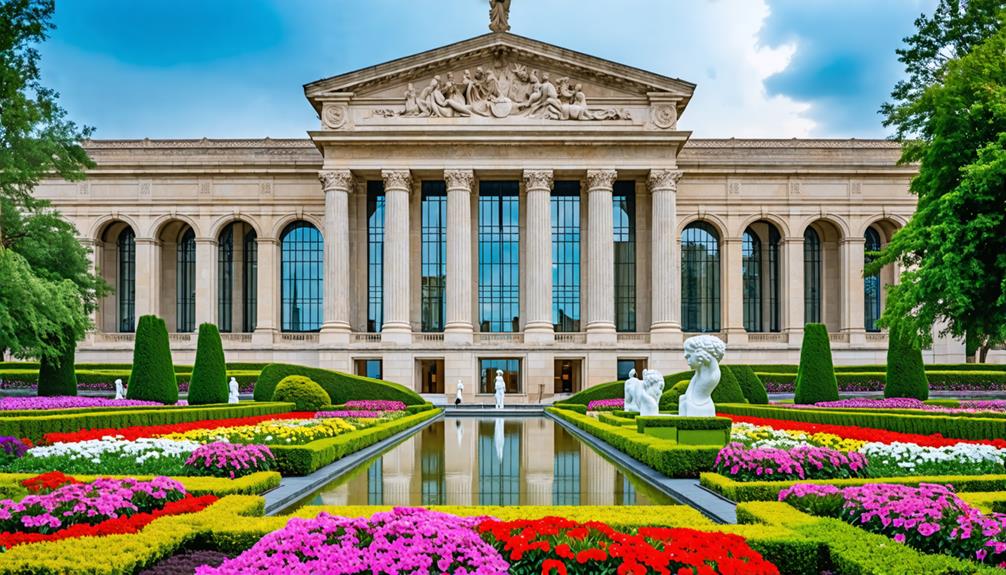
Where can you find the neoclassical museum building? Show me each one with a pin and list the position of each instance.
(498, 203)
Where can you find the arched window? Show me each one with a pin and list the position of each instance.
(250, 281)
(751, 270)
(760, 271)
(301, 277)
(225, 279)
(237, 269)
(811, 276)
(127, 280)
(185, 295)
(700, 278)
(871, 284)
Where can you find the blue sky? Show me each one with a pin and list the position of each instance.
(236, 68)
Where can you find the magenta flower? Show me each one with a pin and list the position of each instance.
(232, 460)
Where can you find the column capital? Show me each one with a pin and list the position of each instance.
(538, 180)
(336, 180)
(664, 180)
(459, 179)
(398, 180)
(601, 180)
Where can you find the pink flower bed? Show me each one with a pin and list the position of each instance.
(374, 405)
(606, 405)
(221, 459)
(362, 414)
(930, 518)
(66, 402)
(743, 464)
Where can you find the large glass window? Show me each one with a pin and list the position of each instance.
(624, 224)
(566, 469)
(811, 276)
(700, 278)
(375, 255)
(302, 257)
(626, 365)
(127, 280)
(774, 298)
(871, 283)
(751, 268)
(499, 462)
(225, 279)
(185, 309)
(499, 257)
(760, 270)
(566, 256)
(511, 374)
(250, 281)
(372, 368)
(434, 254)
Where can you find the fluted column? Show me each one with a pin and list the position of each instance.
(733, 289)
(396, 328)
(267, 312)
(206, 281)
(853, 311)
(538, 185)
(665, 276)
(601, 254)
(148, 277)
(792, 278)
(458, 328)
(336, 184)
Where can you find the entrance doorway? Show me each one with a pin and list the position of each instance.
(567, 375)
(431, 375)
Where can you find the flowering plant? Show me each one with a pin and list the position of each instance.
(138, 431)
(897, 458)
(930, 518)
(375, 405)
(295, 432)
(109, 455)
(47, 482)
(563, 546)
(229, 459)
(606, 405)
(398, 541)
(802, 462)
(11, 448)
(343, 413)
(66, 402)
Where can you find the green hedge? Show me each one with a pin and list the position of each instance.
(341, 387)
(209, 374)
(815, 379)
(669, 399)
(153, 375)
(305, 459)
(611, 419)
(302, 392)
(751, 384)
(72, 410)
(580, 408)
(87, 376)
(906, 372)
(57, 377)
(701, 423)
(613, 390)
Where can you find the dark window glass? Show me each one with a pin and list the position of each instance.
(375, 255)
(871, 283)
(774, 301)
(499, 462)
(375, 482)
(700, 278)
(625, 365)
(811, 276)
(511, 374)
(371, 368)
(566, 256)
(127, 280)
(499, 257)
(250, 281)
(432, 465)
(302, 262)
(185, 318)
(225, 279)
(434, 253)
(624, 224)
(566, 470)
(751, 268)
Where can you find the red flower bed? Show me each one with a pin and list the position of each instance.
(139, 431)
(47, 482)
(862, 433)
(117, 526)
(562, 546)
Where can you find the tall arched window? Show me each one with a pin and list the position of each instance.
(127, 280)
(700, 278)
(760, 271)
(301, 277)
(751, 270)
(871, 283)
(811, 276)
(225, 279)
(185, 295)
(250, 281)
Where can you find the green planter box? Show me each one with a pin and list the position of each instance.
(686, 430)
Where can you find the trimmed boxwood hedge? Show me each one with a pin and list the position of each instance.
(815, 379)
(57, 377)
(86, 376)
(612, 390)
(302, 392)
(209, 374)
(906, 373)
(153, 375)
(341, 387)
(751, 385)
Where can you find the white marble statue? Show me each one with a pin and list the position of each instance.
(652, 386)
(633, 386)
(460, 431)
(120, 390)
(703, 354)
(457, 396)
(232, 395)
(500, 388)
(498, 439)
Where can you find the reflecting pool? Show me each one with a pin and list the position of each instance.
(489, 461)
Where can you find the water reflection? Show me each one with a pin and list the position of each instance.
(489, 461)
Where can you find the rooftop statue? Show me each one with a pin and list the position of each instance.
(499, 15)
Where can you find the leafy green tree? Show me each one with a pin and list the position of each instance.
(209, 374)
(906, 372)
(815, 378)
(153, 375)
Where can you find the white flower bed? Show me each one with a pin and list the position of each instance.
(910, 455)
(139, 450)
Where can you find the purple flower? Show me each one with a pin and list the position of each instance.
(374, 405)
(66, 402)
(606, 404)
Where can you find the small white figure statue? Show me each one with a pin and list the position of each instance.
(652, 386)
(498, 438)
(460, 430)
(500, 388)
(120, 391)
(457, 396)
(632, 389)
(703, 354)
(232, 395)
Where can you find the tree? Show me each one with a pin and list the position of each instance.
(153, 375)
(906, 372)
(58, 377)
(209, 374)
(815, 378)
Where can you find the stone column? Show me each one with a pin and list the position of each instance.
(852, 253)
(732, 288)
(791, 276)
(268, 313)
(206, 281)
(539, 328)
(458, 329)
(665, 327)
(601, 256)
(337, 184)
(148, 277)
(396, 328)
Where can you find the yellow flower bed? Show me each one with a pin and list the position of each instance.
(278, 432)
(750, 433)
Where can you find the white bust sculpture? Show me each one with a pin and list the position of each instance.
(120, 391)
(648, 398)
(500, 387)
(232, 395)
(703, 354)
(633, 387)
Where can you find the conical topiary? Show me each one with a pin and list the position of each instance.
(906, 372)
(728, 390)
(58, 377)
(815, 378)
(751, 384)
(209, 374)
(153, 375)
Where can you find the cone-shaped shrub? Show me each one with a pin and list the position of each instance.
(751, 384)
(906, 373)
(728, 390)
(815, 378)
(58, 377)
(153, 375)
(209, 374)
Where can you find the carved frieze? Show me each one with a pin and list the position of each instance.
(664, 116)
(334, 115)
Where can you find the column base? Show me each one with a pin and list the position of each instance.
(794, 337)
(602, 333)
(396, 333)
(334, 334)
(736, 336)
(666, 334)
(459, 334)
(539, 332)
(263, 336)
